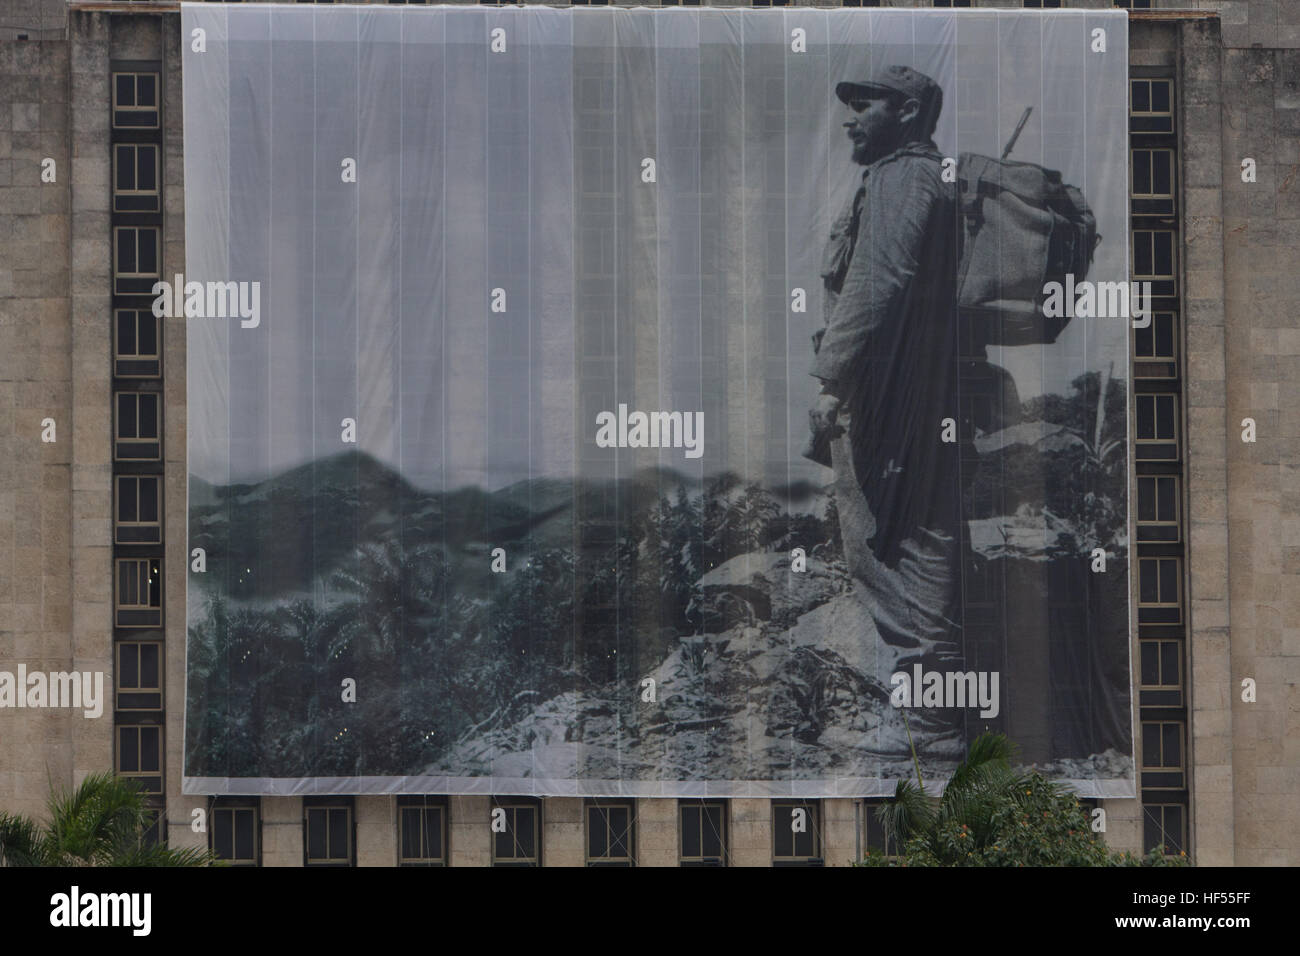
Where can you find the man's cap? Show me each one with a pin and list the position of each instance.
(895, 79)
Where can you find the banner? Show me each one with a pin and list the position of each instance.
(655, 402)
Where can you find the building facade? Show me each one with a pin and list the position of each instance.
(93, 493)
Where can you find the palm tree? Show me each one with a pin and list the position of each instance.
(980, 788)
(99, 823)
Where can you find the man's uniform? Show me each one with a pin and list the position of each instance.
(889, 353)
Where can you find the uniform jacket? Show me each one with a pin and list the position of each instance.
(889, 349)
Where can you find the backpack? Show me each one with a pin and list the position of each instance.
(1021, 228)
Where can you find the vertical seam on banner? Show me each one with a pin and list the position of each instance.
(618, 558)
(785, 305)
(401, 129)
(442, 324)
(744, 317)
(356, 289)
(576, 415)
(528, 242)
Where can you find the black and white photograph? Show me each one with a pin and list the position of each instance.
(637, 404)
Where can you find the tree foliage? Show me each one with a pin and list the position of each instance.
(992, 814)
(99, 823)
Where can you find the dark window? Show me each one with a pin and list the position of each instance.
(1042, 4)
(1157, 507)
(1151, 105)
(422, 831)
(796, 833)
(135, 344)
(610, 833)
(1164, 826)
(1162, 755)
(139, 673)
(516, 832)
(139, 754)
(138, 509)
(328, 834)
(135, 100)
(876, 838)
(139, 592)
(703, 831)
(139, 431)
(135, 261)
(152, 834)
(1157, 426)
(952, 3)
(1162, 673)
(135, 177)
(235, 831)
(1154, 354)
(1153, 173)
(1158, 591)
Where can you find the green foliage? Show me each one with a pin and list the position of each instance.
(991, 814)
(444, 651)
(99, 823)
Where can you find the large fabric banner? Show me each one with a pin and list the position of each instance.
(656, 402)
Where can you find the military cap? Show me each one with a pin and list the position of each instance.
(896, 79)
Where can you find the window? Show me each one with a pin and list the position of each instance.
(135, 177)
(137, 426)
(1157, 427)
(234, 828)
(679, 3)
(1154, 260)
(135, 259)
(952, 3)
(1133, 4)
(1162, 673)
(1042, 4)
(702, 830)
(152, 833)
(1162, 755)
(139, 592)
(327, 832)
(1154, 354)
(422, 831)
(139, 754)
(796, 833)
(876, 840)
(138, 510)
(135, 344)
(1158, 590)
(1152, 181)
(1163, 826)
(861, 3)
(139, 675)
(516, 832)
(135, 100)
(1157, 502)
(610, 827)
(1151, 105)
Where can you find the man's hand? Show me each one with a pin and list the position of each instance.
(823, 413)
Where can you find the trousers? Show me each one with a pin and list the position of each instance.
(916, 601)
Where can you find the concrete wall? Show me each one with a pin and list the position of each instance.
(1239, 81)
